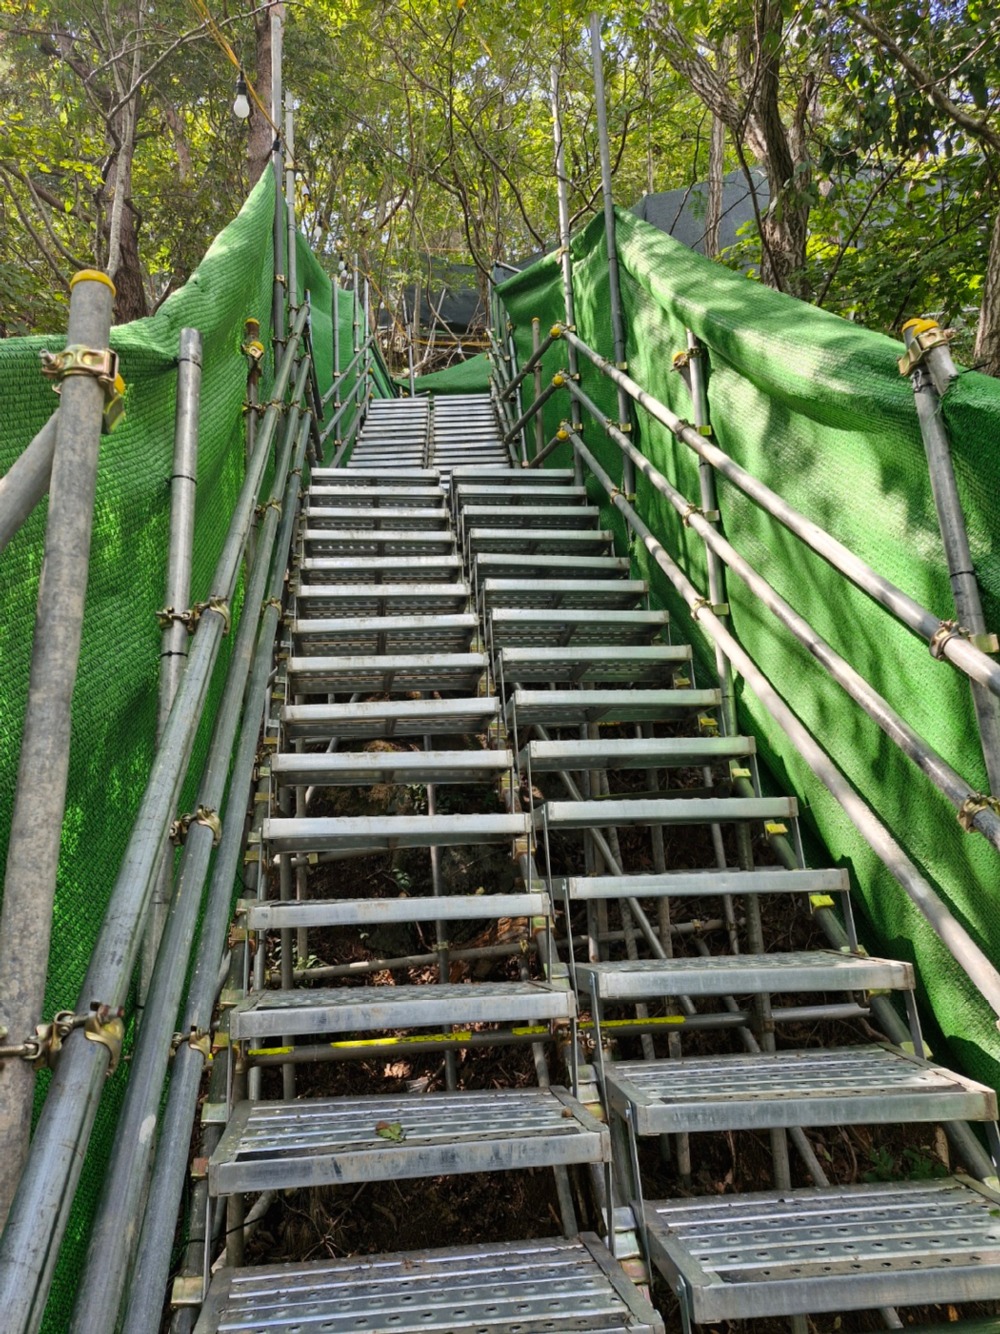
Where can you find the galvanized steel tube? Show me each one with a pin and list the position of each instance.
(26, 481)
(119, 1215)
(149, 1278)
(952, 934)
(175, 638)
(922, 622)
(43, 770)
(923, 755)
(30, 1243)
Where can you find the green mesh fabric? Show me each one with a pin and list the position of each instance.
(471, 376)
(816, 408)
(114, 704)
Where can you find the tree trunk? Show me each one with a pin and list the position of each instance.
(987, 353)
(261, 138)
(124, 265)
(713, 215)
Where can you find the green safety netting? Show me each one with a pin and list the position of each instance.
(114, 704)
(815, 407)
(471, 376)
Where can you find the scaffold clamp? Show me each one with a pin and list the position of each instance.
(99, 363)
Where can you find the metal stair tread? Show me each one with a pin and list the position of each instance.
(558, 593)
(391, 767)
(517, 627)
(385, 672)
(388, 832)
(662, 810)
(508, 565)
(744, 974)
(515, 476)
(544, 541)
(373, 497)
(357, 541)
(423, 632)
(278, 915)
(357, 516)
(818, 1087)
(832, 1248)
(529, 516)
(634, 752)
(768, 880)
(532, 1287)
(454, 596)
(319, 1010)
(385, 718)
(564, 707)
(318, 1142)
(468, 493)
(371, 569)
(356, 477)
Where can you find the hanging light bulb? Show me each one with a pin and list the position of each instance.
(241, 106)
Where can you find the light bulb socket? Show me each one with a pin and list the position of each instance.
(241, 105)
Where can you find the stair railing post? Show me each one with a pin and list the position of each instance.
(566, 260)
(278, 300)
(536, 340)
(292, 263)
(43, 771)
(617, 320)
(175, 638)
(931, 370)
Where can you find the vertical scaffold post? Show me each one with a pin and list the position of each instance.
(40, 796)
(536, 339)
(174, 640)
(931, 370)
(278, 324)
(614, 283)
(292, 266)
(335, 322)
(692, 362)
(562, 187)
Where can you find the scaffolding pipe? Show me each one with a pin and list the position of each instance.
(335, 323)
(610, 237)
(30, 1243)
(174, 639)
(119, 1215)
(958, 650)
(538, 351)
(26, 481)
(40, 791)
(527, 415)
(954, 536)
(565, 258)
(152, 1264)
(293, 268)
(536, 347)
(915, 747)
(278, 303)
(952, 934)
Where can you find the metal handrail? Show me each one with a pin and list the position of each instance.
(960, 652)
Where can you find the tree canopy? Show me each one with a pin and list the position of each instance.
(423, 135)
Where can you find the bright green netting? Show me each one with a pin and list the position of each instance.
(471, 376)
(114, 704)
(816, 408)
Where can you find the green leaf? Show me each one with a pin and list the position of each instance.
(390, 1130)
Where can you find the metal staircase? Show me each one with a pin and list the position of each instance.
(477, 630)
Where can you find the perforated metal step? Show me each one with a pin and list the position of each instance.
(361, 769)
(397, 541)
(549, 541)
(410, 477)
(379, 599)
(836, 1249)
(662, 811)
(564, 708)
(634, 753)
(698, 884)
(633, 665)
(420, 633)
(380, 569)
(558, 593)
(319, 1142)
(265, 1014)
(387, 833)
(386, 718)
(337, 495)
(392, 517)
(744, 974)
(386, 673)
(527, 1287)
(515, 628)
(820, 1087)
(278, 915)
(526, 517)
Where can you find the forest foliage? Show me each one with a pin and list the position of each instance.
(423, 135)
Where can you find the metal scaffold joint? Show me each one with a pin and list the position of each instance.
(101, 364)
(204, 815)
